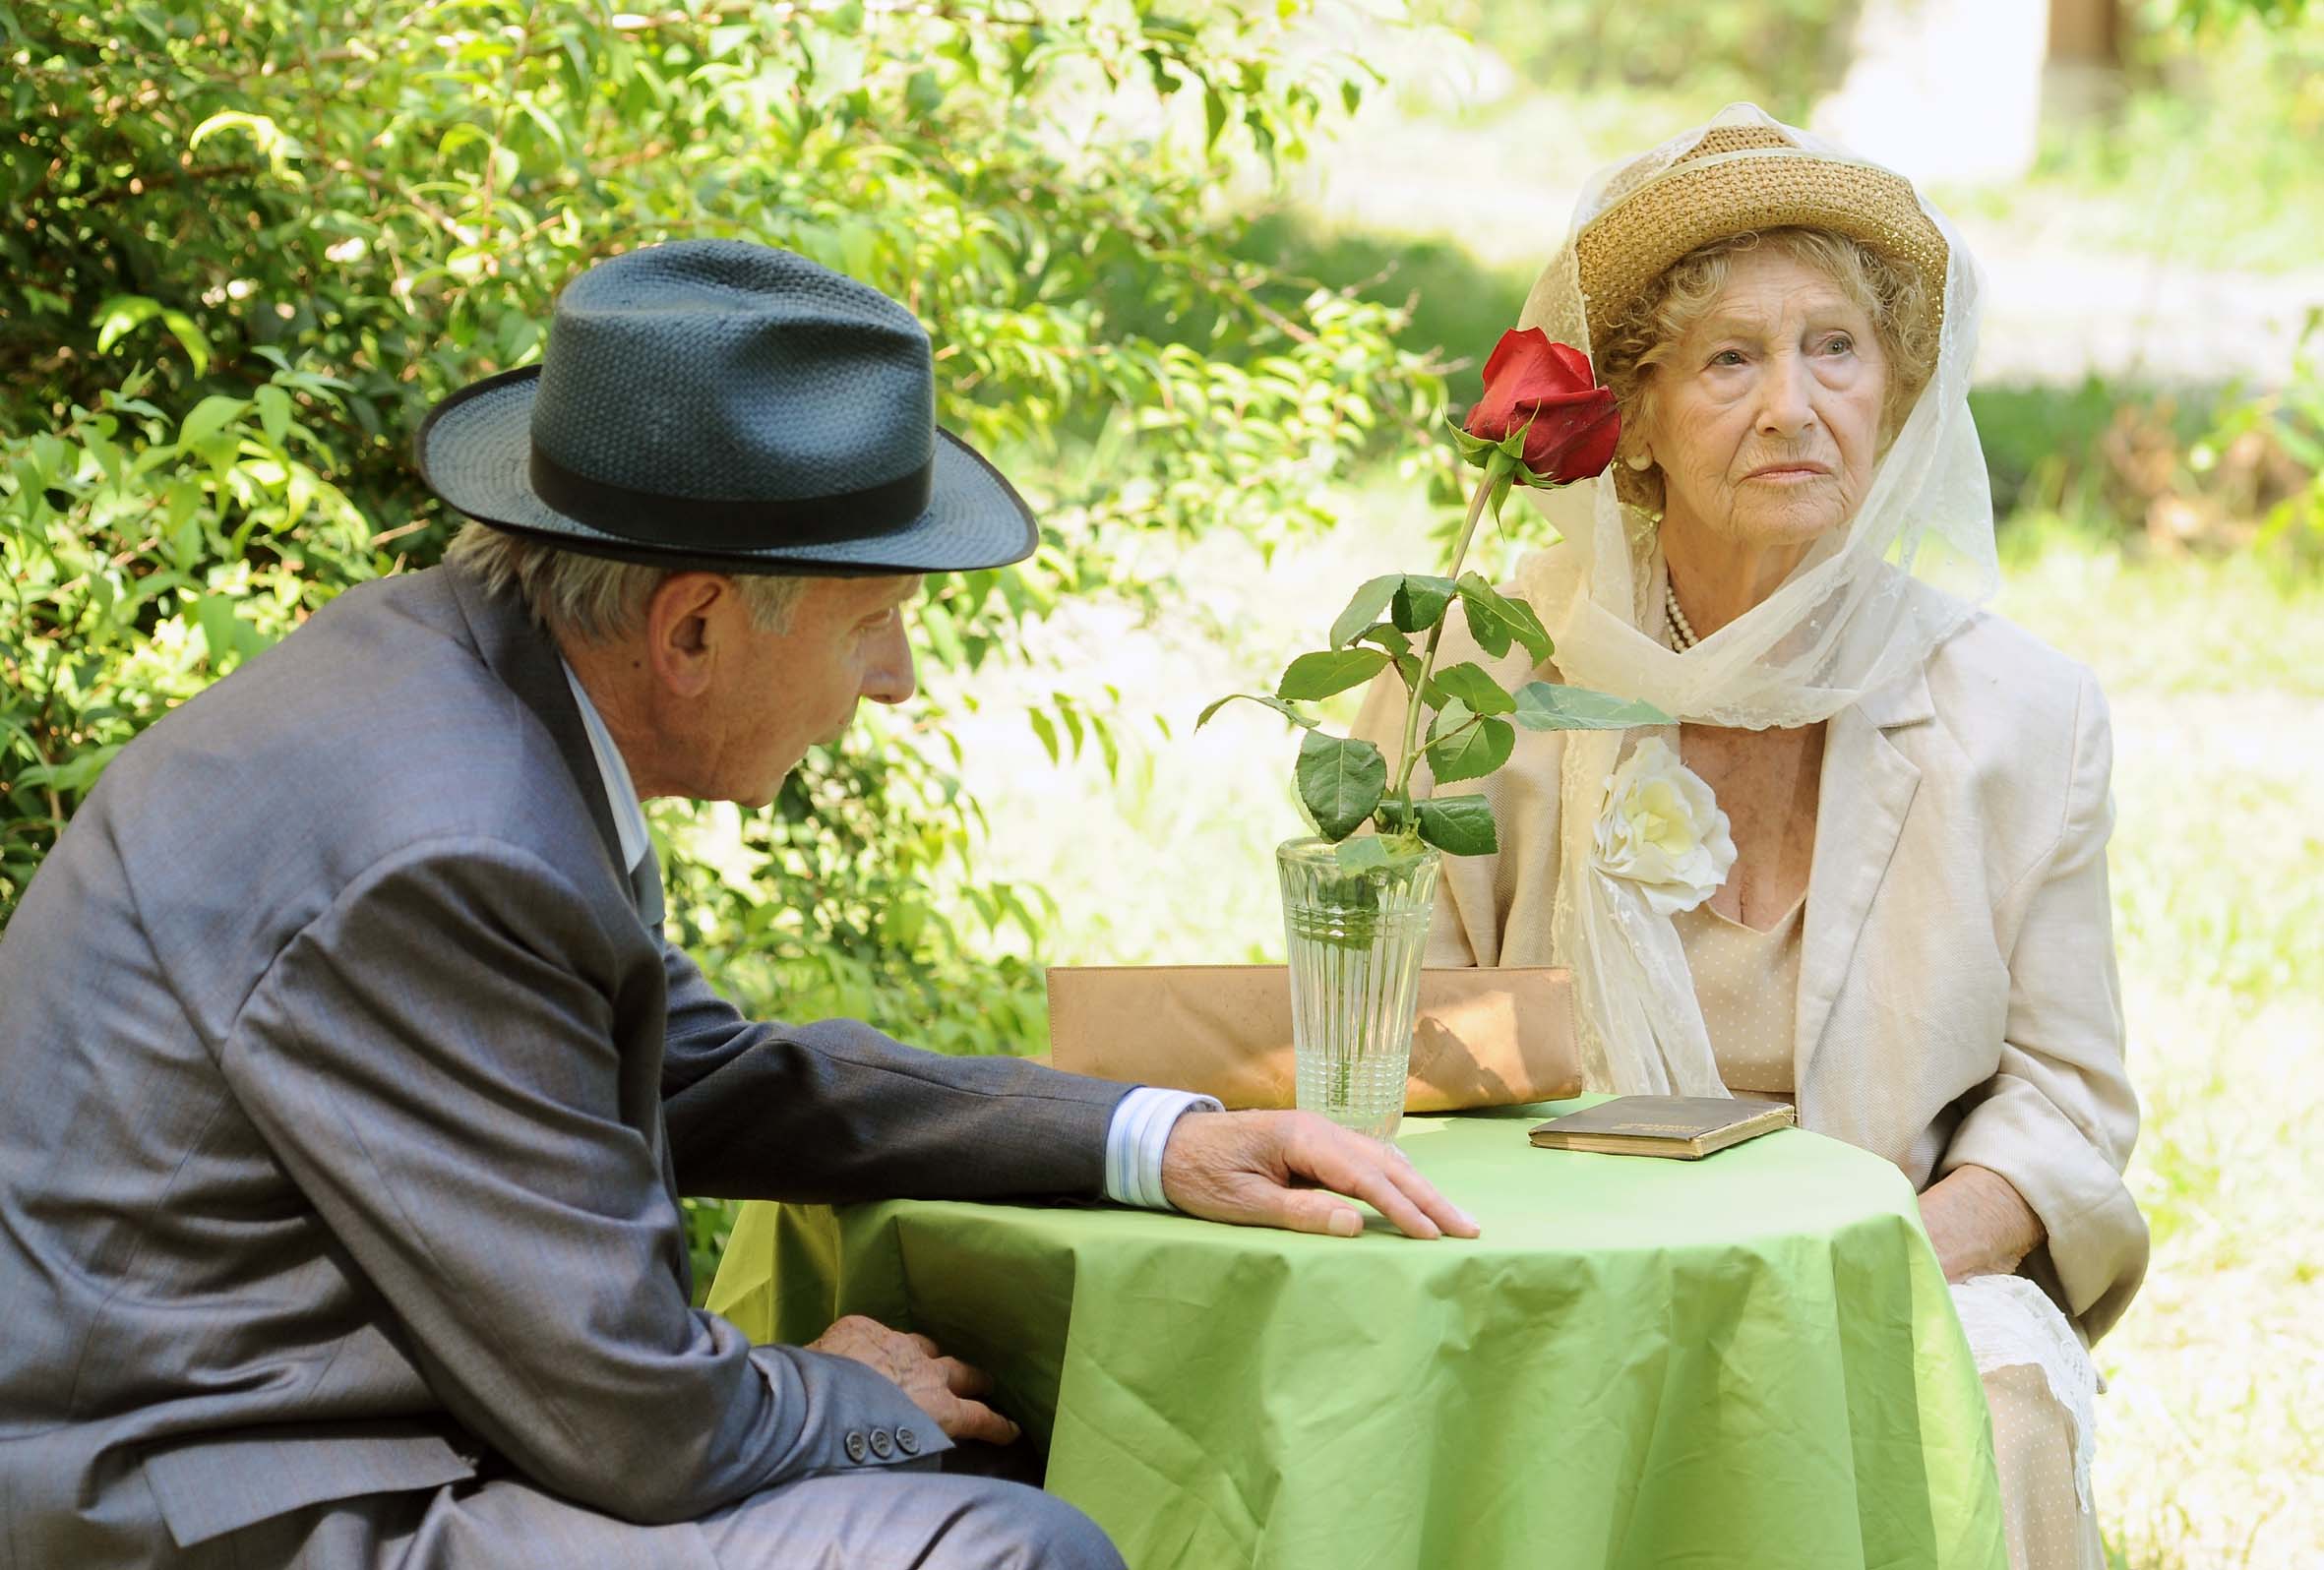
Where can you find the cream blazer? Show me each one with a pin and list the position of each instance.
(1958, 999)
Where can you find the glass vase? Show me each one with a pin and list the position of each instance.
(1355, 939)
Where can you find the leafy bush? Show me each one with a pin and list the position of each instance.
(249, 243)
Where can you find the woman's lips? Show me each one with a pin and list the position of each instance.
(1790, 474)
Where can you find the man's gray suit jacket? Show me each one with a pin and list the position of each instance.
(334, 1071)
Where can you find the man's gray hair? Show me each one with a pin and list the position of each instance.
(595, 597)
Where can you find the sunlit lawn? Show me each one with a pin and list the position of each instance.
(2211, 1438)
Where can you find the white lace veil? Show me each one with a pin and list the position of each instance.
(1857, 614)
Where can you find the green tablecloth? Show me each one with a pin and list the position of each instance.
(1750, 1361)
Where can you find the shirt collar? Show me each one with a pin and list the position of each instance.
(613, 777)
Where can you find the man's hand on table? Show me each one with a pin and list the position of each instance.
(1273, 1169)
(942, 1387)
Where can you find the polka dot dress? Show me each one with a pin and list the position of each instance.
(1748, 982)
(2034, 1453)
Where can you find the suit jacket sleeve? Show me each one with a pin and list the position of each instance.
(2058, 1120)
(834, 1112)
(434, 1061)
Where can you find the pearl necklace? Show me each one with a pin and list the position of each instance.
(1681, 631)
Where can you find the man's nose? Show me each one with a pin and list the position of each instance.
(1785, 406)
(888, 677)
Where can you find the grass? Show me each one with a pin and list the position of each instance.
(2216, 672)
(2208, 1438)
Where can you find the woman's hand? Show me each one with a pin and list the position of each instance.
(942, 1387)
(1286, 1169)
(1978, 1223)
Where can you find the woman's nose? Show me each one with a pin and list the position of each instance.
(1784, 407)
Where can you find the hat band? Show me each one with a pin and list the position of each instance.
(650, 517)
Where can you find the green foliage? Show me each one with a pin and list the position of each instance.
(1548, 706)
(142, 557)
(2199, 14)
(250, 243)
(1461, 824)
(1329, 671)
(1466, 745)
(1341, 781)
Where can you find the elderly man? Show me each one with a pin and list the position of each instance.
(352, 1085)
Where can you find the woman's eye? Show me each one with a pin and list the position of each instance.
(1728, 357)
(1839, 343)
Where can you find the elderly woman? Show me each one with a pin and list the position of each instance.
(1872, 875)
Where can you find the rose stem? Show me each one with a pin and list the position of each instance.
(1497, 465)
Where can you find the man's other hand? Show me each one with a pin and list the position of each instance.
(1287, 1169)
(942, 1387)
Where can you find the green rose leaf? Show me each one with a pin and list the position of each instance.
(1474, 753)
(1420, 603)
(1320, 674)
(1363, 610)
(1449, 718)
(1361, 854)
(1495, 618)
(1395, 816)
(1342, 782)
(1275, 704)
(1547, 706)
(1458, 826)
(1397, 647)
(1469, 683)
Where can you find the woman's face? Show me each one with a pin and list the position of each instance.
(1765, 416)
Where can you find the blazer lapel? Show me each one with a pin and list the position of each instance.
(525, 659)
(1866, 788)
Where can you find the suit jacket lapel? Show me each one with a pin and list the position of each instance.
(525, 659)
(1866, 788)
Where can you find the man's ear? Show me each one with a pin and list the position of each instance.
(689, 619)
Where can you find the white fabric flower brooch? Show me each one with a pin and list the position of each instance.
(1663, 830)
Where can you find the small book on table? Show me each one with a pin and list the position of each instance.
(1686, 1127)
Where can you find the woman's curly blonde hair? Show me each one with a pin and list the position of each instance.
(1898, 299)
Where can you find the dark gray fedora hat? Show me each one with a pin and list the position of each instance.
(720, 404)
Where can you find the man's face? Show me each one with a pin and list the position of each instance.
(782, 693)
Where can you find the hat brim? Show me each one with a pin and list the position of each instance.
(475, 449)
(1695, 202)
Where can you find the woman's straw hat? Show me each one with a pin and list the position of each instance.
(1739, 178)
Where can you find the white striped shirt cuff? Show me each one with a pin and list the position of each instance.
(1134, 1139)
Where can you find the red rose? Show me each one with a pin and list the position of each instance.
(1575, 425)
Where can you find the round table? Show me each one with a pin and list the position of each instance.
(1751, 1360)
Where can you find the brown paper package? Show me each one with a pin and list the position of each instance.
(1485, 1038)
